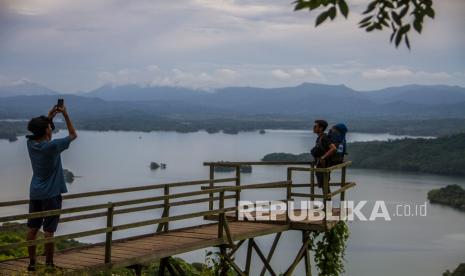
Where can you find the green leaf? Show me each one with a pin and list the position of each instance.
(332, 12)
(404, 11)
(366, 19)
(430, 12)
(398, 38)
(301, 5)
(371, 7)
(417, 26)
(389, 4)
(344, 8)
(405, 29)
(315, 4)
(396, 18)
(366, 24)
(393, 34)
(407, 42)
(321, 18)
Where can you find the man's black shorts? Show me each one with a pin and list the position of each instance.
(38, 205)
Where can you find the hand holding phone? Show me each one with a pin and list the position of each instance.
(60, 103)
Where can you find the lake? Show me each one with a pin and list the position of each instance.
(426, 245)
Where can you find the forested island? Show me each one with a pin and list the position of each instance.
(233, 124)
(444, 155)
(459, 271)
(10, 130)
(451, 195)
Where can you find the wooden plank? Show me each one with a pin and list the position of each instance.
(196, 236)
(18, 264)
(77, 260)
(191, 234)
(10, 267)
(67, 263)
(116, 253)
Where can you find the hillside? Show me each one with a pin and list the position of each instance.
(452, 195)
(444, 155)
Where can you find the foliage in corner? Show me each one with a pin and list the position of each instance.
(216, 263)
(330, 249)
(400, 16)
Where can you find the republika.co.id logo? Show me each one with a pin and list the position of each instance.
(270, 210)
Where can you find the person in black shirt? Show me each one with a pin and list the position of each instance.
(323, 150)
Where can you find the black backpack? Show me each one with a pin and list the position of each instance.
(338, 138)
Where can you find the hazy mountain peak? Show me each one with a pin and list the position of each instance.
(24, 87)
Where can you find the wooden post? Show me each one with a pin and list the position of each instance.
(306, 240)
(288, 192)
(325, 197)
(238, 192)
(109, 235)
(312, 182)
(163, 227)
(248, 260)
(222, 216)
(343, 193)
(166, 192)
(210, 185)
(223, 264)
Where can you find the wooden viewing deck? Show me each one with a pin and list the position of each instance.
(227, 232)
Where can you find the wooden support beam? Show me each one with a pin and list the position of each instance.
(262, 257)
(234, 266)
(306, 240)
(162, 267)
(298, 258)
(228, 231)
(235, 248)
(271, 252)
(223, 261)
(248, 260)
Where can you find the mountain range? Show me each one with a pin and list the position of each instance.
(307, 99)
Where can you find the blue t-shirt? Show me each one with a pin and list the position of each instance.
(47, 178)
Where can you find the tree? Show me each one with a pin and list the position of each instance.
(400, 16)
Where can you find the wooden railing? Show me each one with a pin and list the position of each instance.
(165, 202)
(310, 167)
(110, 211)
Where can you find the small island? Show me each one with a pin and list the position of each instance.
(212, 130)
(69, 176)
(459, 271)
(262, 131)
(451, 195)
(230, 131)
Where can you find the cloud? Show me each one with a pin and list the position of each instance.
(299, 74)
(386, 73)
(404, 73)
(153, 75)
(280, 74)
(77, 45)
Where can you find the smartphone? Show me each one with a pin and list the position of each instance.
(60, 102)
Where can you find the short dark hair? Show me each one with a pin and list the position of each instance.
(322, 123)
(38, 126)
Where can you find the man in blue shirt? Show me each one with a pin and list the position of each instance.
(48, 181)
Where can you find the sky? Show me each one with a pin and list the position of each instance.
(73, 46)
